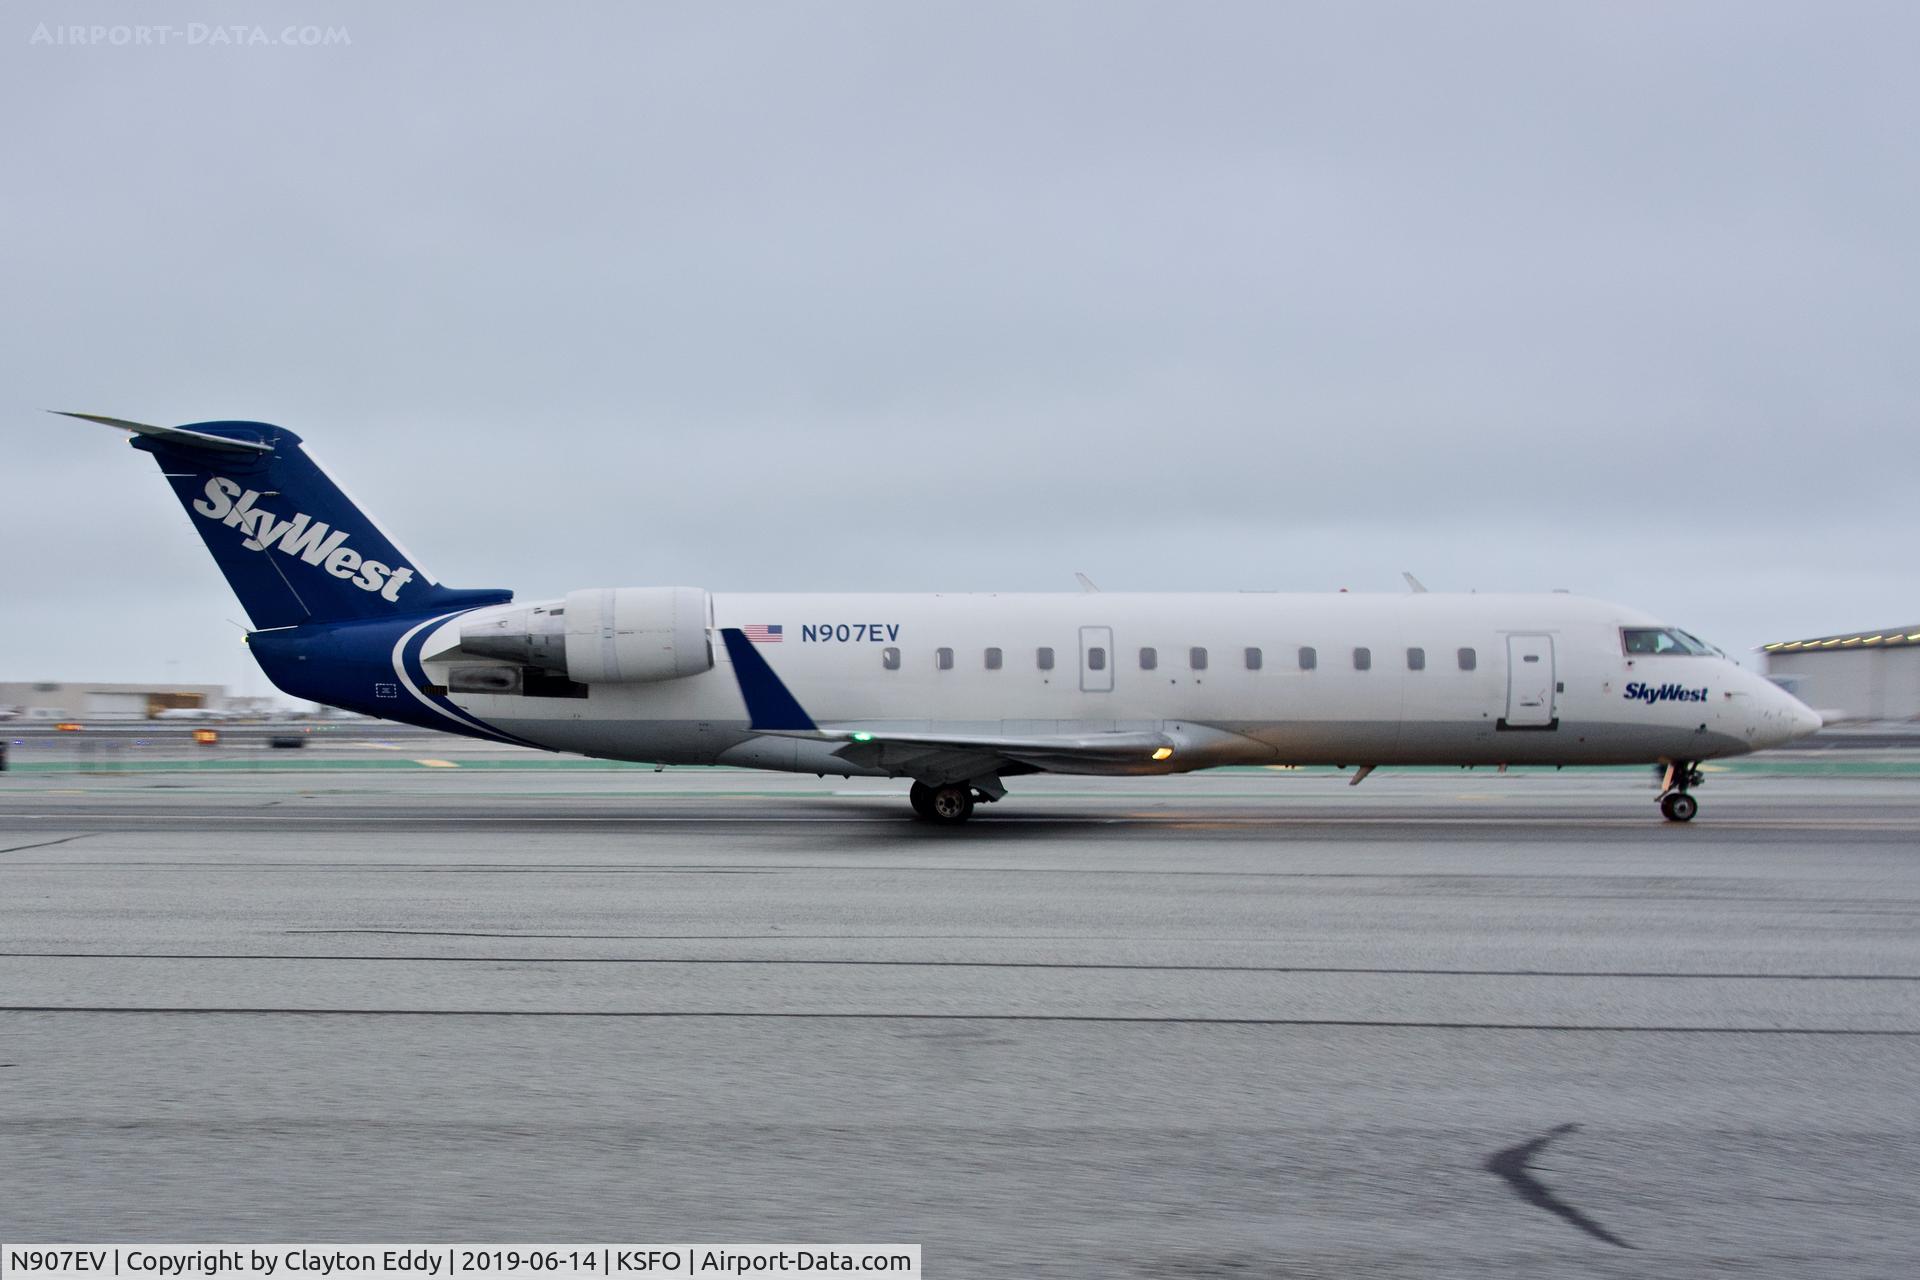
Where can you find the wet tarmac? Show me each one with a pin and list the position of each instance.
(1250, 1023)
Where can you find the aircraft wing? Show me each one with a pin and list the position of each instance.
(955, 757)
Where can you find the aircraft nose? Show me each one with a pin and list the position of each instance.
(1785, 718)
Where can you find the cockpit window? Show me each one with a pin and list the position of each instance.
(1713, 649)
(1665, 641)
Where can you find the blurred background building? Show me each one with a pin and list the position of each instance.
(1857, 675)
(100, 700)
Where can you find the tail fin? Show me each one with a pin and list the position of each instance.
(294, 547)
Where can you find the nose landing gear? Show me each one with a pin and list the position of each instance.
(1676, 802)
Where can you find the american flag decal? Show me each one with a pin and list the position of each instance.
(763, 633)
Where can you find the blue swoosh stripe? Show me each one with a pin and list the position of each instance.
(769, 703)
(410, 659)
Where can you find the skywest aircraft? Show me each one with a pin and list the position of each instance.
(955, 692)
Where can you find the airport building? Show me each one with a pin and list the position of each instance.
(1857, 675)
(96, 700)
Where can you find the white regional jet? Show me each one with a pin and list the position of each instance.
(955, 692)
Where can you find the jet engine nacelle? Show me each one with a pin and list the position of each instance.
(605, 635)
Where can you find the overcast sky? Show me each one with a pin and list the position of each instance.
(1613, 297)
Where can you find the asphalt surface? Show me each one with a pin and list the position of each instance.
(1245, 1024)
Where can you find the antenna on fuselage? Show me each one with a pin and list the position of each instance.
(1414, 584)
(1086, 583)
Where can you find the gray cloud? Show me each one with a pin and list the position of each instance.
(845, 296)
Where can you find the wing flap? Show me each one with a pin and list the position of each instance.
(954, 757)
(1118, 744)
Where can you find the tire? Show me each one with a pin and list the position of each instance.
(1678, 806)
(950, 805)
(920, 796)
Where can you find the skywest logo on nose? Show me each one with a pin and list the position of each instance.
(301, 536)
(1650, 693)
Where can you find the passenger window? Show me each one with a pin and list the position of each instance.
(993, 659)
(1197, 658)
(1469, 659)
(890, 659)
(943, 659)
(1416, 659)
(1254, 659)
(1363, 659)
(1043, 658)
(1149, 659)
(1309, 657)
(1096, 659)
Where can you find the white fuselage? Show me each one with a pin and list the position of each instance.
(1232, 678)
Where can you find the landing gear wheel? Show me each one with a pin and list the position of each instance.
(1678, 806)
(950, 805)
(920, 796)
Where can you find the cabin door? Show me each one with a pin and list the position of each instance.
(1530, 683)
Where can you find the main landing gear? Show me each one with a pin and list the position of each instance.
(1676, 802)
(946, 805)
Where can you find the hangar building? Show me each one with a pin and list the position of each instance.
(1858, 675)
(95, 700)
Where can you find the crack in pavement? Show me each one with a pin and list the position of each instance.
(1513, 1165)
(45, 844)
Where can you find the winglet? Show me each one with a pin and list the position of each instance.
(770, 706)
(178, 436)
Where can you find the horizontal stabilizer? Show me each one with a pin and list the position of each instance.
(179, 437)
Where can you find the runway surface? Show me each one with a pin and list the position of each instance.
(1244, 1024)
